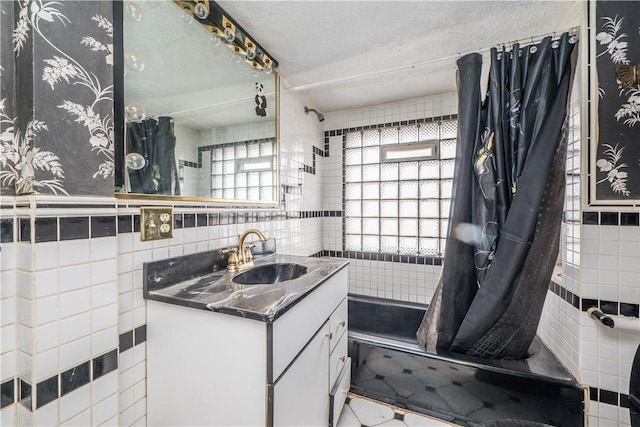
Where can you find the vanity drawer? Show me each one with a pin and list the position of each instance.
(338, 394)
(297, 326)
(338, 323)
(338, 360)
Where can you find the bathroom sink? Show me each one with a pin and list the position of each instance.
(270, 274)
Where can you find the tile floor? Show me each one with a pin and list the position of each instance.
(362, 412)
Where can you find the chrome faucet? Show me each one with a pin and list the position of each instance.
(240, 256)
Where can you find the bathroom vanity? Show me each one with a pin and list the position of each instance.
(225, 353)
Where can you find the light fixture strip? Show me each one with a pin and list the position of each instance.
(219, 19)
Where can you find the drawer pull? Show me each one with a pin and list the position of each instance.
(342, 323)
(329, 335)
(342, 358)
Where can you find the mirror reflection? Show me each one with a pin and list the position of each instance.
(200, 105)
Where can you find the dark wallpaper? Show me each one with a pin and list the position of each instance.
(617, 168)
(61, 127)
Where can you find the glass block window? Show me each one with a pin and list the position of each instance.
(399, 204)
(244, 170)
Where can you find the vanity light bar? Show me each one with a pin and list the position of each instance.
(218, 21)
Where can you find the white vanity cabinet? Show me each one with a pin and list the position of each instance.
(206, 368)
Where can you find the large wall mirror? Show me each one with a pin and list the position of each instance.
(200, 106)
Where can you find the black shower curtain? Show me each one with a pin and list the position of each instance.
(156, 141)
(507, 201)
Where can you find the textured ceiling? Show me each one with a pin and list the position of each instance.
(348, 54)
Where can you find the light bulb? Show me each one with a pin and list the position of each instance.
(134, 161)
(134, 113)
(229, 35)
(187, 16)
(133, 11)
(237, 58)
(251, 53)
(255, 72)
(268, 68)
(134, 61)
(201, 11)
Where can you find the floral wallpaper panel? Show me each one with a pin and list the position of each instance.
(59, 140)
(616, 176)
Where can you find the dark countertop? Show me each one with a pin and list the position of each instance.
(217, 292)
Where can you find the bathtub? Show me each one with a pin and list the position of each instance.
(388, 365)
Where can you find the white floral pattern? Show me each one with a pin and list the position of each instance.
(616, 47)
(613, 42)
(62, 69)
(614, 170)
(20, 159)
(630, 111)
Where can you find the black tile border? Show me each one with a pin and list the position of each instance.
(584, 304)
(126, 341)
(102, 365)
(7, 235)
(47, 391)
(103, 226)
(337, 132)
(24, 229)
(125, 224)
(7, 393)
(630, 218)
(140, 334)
(51, 229)
(75, 378)
(132, 338)
(375, 256)
(609, 397)
(315, 151)
(623, 219)
(46, 229)
(24, 393)
(73, 228)
(53, 388)
(609, 218)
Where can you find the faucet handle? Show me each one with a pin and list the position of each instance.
(232, 265)
(248, 256)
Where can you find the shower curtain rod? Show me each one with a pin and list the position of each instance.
(530, 40)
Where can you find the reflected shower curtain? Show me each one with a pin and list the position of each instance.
(507, 202)
(156, 141)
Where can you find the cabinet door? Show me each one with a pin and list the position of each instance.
(301, 395)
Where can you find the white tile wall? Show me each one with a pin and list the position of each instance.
(392, 280)
(8, 322)
(404, 282)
